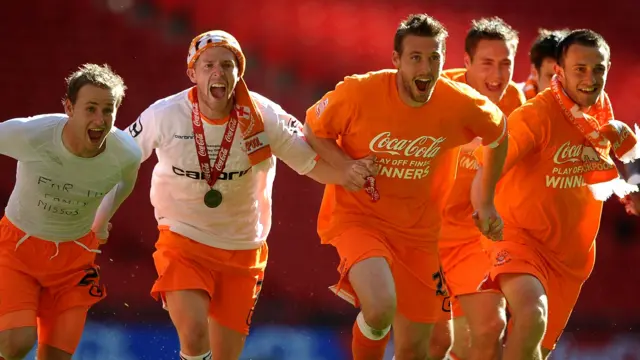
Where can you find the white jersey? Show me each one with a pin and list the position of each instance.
(58, 195)
(243, 220)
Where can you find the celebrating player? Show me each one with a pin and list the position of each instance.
(217, 145)
(74, 171)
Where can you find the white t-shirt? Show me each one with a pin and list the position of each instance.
(243, 219)
(58, 195)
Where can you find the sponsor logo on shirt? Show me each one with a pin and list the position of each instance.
(411, 157)
(571, 162)
(198, 175)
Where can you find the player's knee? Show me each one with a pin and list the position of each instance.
(489, 332)
(193, 333)
(379, 315)
(15, 344)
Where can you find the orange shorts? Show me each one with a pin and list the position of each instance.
(232, 278)
(47, 285)
(420, 289)
(465, 265)
(509, 257)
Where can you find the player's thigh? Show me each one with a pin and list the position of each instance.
(59, 333)
(372, 280)
(17, 341)
(188, 310)
(563, 294)
(526, 296)
(365, 273)
(518, 271)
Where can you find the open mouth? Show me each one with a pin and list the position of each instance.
(494, 86)
(422, 84)
(588, 90)
(218, 91)
(95, 135)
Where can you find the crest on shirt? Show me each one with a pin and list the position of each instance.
(321, 106)
(502, 257)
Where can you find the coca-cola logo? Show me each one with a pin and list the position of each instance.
(222, 159)
(206, 171)
(568, 153)
(233, 124)
(422, 146)
(196, 115)
(200, 144)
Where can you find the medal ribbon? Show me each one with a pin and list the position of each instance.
(211, 175)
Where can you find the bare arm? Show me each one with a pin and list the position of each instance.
(334, 163)
(484, 184)
(328, 149)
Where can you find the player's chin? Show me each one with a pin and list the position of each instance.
(421, 96)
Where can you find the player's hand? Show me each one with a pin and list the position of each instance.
(356, 172)
(104, 241)
(631, 203)
(489, 222)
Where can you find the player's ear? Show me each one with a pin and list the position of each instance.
(559, 71)
(395, 58)
(68, 107)
(192, 75)
(467, 60)
(534, 71)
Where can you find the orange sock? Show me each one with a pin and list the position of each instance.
(364, 348)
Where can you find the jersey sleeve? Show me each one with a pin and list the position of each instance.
(287, 142)
(485, 119)
(145, 133)
(13, 139)
(526, 132)
(330, 116)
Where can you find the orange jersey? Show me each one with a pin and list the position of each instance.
(417, 149)
(542, 196)
(457, 222)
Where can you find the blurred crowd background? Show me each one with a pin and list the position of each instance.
(297, 50)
